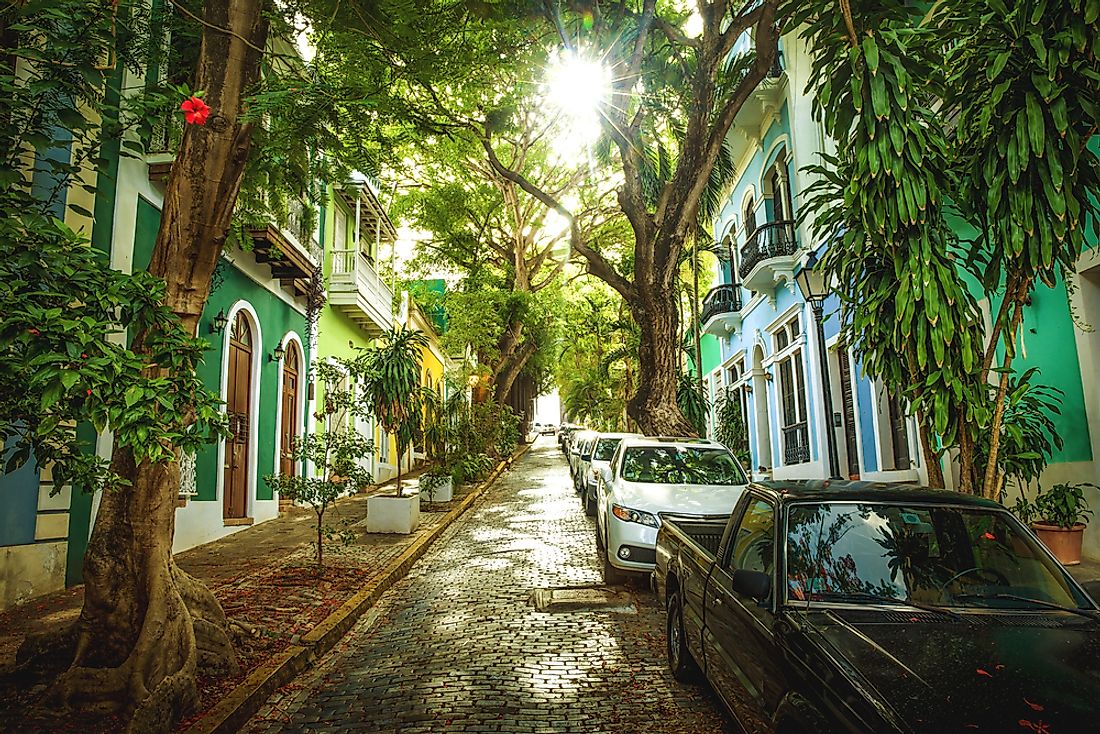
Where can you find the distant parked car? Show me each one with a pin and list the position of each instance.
(878, 609)
(565, 434)
(580, 444)
(603, 451)
(650, 476)
(548, 429)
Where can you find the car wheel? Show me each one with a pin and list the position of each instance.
(611, 575)
(680, 662)
(589, 504)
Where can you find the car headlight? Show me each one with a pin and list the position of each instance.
(628, 515)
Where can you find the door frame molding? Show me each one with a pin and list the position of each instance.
(291, 337)
(258, 353)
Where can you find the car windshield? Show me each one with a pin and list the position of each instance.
(943, 555)
(605, 449)
(681, 465)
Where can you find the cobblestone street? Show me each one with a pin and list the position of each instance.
(458, 647)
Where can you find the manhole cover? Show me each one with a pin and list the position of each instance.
(583, 599)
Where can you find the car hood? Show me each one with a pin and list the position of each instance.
(686, 499)
(1026, 672)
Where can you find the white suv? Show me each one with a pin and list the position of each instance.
(650, 476)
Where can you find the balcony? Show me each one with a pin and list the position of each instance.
(769, 257)
(164, 142)
(356, 290)
(292, 251)
(796, 444)
(761, 106)
(721, 310)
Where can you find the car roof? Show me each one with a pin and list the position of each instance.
(617, 435)
(789, 490)
(670, 441)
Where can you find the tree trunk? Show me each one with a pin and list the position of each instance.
(398, 464)
(989, 482)
(654, 407)
(147, 626)
(506, 377)
(931, 458)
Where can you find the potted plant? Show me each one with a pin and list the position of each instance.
(437, 485)
(440, 417)
(389, 373)
(1058, 516)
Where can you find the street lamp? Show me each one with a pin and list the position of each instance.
(814, 284)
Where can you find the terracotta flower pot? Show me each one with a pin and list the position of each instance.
(1064, 543)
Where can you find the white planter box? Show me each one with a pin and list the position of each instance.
(442, 493)
(388, 514)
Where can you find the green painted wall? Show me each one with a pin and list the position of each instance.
(276, 318)
(1049, 343)
(711, 352)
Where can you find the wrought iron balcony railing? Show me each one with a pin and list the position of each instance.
(771, 239)
(722, 299)
(796, 444)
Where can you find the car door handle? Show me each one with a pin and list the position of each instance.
(716, 601)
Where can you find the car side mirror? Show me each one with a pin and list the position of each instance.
(753, 584)
(605, 474)
(586, 457)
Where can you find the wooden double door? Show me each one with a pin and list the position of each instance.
(288, 429)
(238, 406)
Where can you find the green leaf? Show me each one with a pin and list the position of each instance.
(133, 394)
(69, 378)
(1035, 125)
(870, 53)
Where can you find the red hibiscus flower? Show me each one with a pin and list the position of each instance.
(195, 111)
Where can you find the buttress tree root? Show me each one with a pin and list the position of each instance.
(146, 626)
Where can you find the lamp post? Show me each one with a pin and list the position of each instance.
(814, 285)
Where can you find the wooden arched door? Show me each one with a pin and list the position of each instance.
(238, 399)
(288, 430)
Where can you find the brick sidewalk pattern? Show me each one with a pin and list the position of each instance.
(457, 647)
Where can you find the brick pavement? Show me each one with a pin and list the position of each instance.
(457, 647)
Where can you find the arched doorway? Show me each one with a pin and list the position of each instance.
(288, 430)
(238, 397)
(760, 406)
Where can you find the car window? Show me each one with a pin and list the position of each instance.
(753, 545)
(605, 449)
(946, 555)
(681, 465)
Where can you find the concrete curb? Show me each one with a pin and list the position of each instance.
(234, 710)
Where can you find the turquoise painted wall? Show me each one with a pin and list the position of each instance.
(276, 318)
(711, 350)
(1049, 343)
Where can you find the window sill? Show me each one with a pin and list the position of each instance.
(232, 522)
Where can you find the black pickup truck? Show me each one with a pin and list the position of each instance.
(857, 607)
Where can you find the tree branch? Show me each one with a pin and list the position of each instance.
(598, 265)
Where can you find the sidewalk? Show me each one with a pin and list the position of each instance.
(265, 578)
(1087, 573)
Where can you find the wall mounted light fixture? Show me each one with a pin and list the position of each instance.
(219, 323)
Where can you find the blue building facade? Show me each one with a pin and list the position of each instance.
(765, 352)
